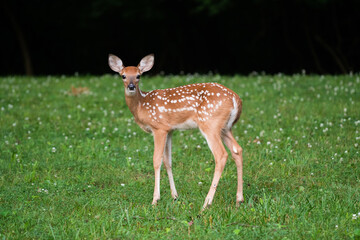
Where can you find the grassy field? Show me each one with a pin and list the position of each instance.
(77, 166)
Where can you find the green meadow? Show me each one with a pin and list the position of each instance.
(74, 164)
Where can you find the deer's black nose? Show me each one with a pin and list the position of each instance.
(131, 86)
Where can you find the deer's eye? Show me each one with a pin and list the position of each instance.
(138, 76)
(123, 76)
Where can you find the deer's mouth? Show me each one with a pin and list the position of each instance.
(130, 91)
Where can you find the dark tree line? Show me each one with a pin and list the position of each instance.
(225, 36)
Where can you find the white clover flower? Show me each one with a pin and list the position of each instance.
(122, 184)
(200, 183)
(53, 149)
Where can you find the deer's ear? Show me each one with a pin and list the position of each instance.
(146, 63)
(115, 63)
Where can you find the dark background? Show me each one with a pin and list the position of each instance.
(226, 36)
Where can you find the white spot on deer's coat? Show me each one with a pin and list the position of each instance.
(142, 94)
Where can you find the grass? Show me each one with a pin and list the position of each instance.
(76, 167)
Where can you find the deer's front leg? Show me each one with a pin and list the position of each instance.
(167, 163)
(159, 145)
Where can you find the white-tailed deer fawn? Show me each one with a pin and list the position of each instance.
(211, 107)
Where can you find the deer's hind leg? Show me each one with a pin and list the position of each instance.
(236, 153)
(213, 139)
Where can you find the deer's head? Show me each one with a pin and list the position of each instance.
(131, 75)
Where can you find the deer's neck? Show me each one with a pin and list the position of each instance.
(134, 102)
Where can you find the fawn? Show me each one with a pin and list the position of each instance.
(211, 107)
